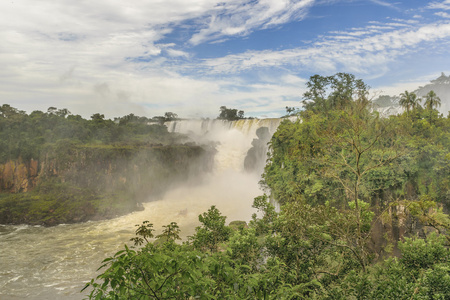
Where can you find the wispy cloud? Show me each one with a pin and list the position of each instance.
(241, 18)
(369, 54)
(384, 3)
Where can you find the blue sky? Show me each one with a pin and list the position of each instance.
(193, 56)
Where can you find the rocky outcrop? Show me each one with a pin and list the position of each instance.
(106, 167)
(76, 183)
(394, 225)
(18, 176)
(256, 155)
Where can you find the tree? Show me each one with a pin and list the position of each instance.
(290, 110)
(6, 111)
(212, 232)
(334, 92)
(98, 118)
(409, 101)
(52, 110)
(171, 232)
(170, 116)
(432, 100)
(230, 114)
(143, 233)
(63, 112)
(341, 155)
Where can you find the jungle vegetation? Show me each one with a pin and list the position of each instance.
(56, 167)
(364, 202)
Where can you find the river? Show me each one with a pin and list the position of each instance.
(56, 262)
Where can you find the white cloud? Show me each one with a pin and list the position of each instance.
(110, 56)
(177, 53)
(367, 55)
(439, 5)
(55, 50)
(443, 14)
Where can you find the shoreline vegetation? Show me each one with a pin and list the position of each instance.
(364, 214)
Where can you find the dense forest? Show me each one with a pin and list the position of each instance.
(364, 202)
(56, 167)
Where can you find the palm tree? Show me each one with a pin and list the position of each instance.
(408, 100)
(432, 100)
(415, 101)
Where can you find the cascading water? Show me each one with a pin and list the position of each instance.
(233, 138)
(56, 262)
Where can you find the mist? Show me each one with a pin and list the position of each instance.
(232, 192)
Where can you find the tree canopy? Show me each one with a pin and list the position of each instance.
(230, 114)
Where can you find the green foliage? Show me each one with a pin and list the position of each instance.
(337, 173)
(245, 249)
(212, 232)
(304, 257)
(53, 202)
(171, 232)
(143, 233)
(172, 271)
(337, 170)
(238, 225)
(429, 213)
(334, 92)
(340, 151)
(422, 254)
(337, 157)
(409, 101)
(263, 225)
(230, 114)
(423, 272)
(432, 100)
(151, 273)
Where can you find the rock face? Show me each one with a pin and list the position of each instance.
(256, 155)
(17, 176)
(106, 168)
(396, 224)
(76, 183)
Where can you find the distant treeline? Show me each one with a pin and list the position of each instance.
(23, 135)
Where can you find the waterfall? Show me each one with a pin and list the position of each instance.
(56, 262)
(233, 138)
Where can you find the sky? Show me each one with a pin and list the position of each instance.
(190, 57)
